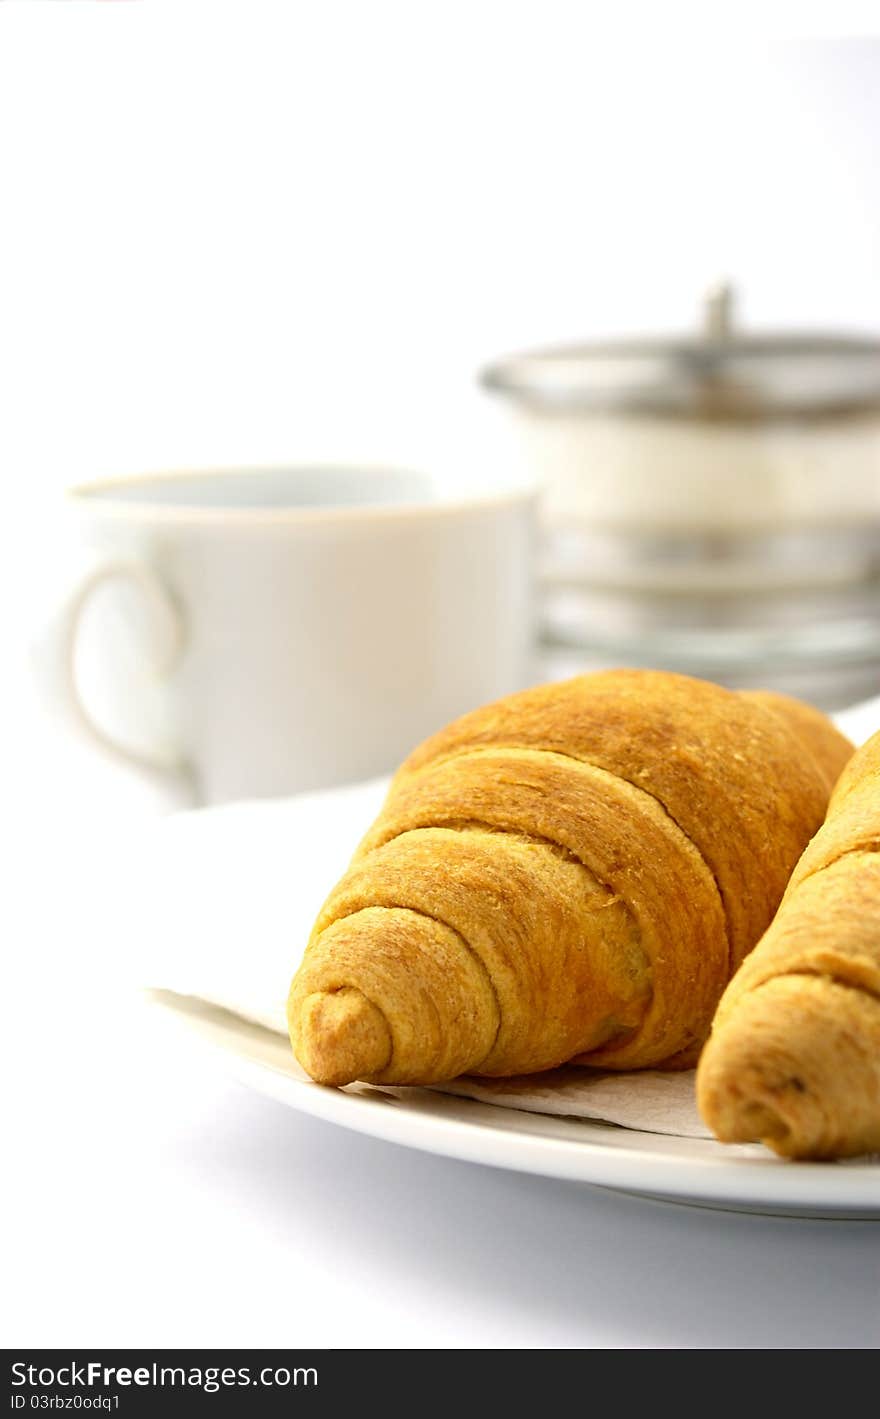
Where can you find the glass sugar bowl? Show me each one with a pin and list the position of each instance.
(711, 503)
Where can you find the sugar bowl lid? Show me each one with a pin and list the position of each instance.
(719, 372)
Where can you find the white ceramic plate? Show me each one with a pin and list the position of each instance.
(695, 1171)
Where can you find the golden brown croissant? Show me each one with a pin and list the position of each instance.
(794, 1057)
(572, 873)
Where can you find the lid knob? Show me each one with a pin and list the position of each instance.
(718, 311)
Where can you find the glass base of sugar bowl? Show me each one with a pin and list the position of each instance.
(796, 610)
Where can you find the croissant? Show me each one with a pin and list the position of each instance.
(794, 1056)
(571, 874)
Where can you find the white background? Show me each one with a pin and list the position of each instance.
(264, 231)
(260, 230)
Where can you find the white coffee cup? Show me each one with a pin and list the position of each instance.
(309, 625)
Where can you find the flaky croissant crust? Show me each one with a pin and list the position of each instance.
(794, 1057)
(569, 874)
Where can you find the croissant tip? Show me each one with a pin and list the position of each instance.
(747, 1114)
(340, 1036)
(791, 1069)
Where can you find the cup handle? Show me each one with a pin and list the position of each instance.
(168, 636)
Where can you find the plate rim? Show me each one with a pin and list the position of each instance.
(732, 1180)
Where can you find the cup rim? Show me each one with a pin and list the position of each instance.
(98, 494)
